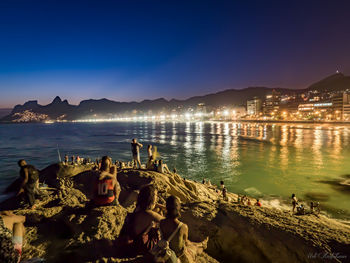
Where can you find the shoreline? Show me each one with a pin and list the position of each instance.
(184, 121)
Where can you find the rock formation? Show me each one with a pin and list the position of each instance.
(64, 229)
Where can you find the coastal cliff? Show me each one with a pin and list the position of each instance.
(64, 229)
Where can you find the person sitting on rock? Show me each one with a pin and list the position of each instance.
(162, 167)
(150, 163)
(315, 206)
(11, 237)
(107, 188)
(258, 203)
(185, 250)
(140, 226)
(30, 182)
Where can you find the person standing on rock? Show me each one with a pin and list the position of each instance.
(222, 185)
(30, 180)
(224, 194)
(135, 149)
(107, 188)
(149, 151)
(294, 201)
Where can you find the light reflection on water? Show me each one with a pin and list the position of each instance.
(266, 159)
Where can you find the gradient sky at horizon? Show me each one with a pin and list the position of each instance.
(135, 50)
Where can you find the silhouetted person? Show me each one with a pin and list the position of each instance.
(135, 149)
(30, 180)
(294, 201)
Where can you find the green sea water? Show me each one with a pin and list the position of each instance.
(269, 161)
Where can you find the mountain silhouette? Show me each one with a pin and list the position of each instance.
(108, 108)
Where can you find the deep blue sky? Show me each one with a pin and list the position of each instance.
(133, 50)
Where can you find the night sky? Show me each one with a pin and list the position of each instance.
(134, 50)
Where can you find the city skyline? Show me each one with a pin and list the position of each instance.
(125, 52)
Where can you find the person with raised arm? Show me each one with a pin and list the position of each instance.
(135, 149)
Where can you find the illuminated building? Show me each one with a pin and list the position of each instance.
(341, 106)
(254, 106)
(272, 102)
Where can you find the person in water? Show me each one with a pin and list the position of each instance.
(30, 180)
(11, 237)
(140, 226)
(107, 188)
(135, 149)
(294, 202)
(185, 250)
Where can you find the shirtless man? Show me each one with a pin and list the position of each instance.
(135, 149)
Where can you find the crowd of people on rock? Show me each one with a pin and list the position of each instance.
(75, 160)
(153, 230)
(159, 238)
(146, 230)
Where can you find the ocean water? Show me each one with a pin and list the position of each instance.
(269, 161)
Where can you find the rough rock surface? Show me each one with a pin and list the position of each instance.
(64, 229)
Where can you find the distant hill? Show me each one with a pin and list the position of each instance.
(59, 109)
(334, 82)
(89, 108)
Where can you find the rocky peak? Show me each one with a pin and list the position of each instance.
(57, 100)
